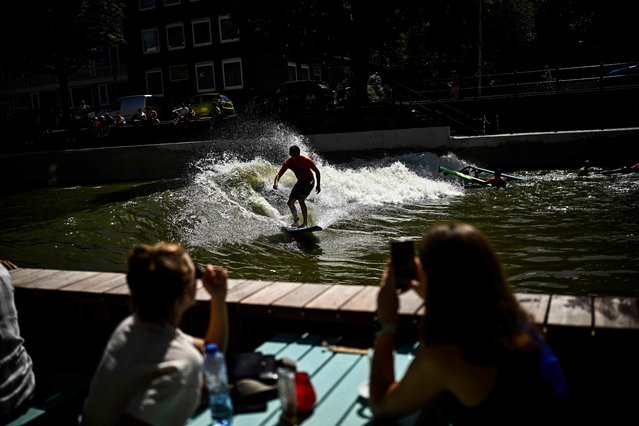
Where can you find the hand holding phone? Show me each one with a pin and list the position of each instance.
(402, 259)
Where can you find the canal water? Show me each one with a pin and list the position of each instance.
(555, 233)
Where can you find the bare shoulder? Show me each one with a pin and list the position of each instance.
(469, 382)
(440, 360)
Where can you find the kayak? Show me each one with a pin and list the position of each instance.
(465, 177)
(508, 177)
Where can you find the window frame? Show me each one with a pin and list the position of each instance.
(290, 65)
(223, 40)
(197, 78)
(195, 22)
(168, 39)
(140, 7)
(305, 67)
(227, 61)
(146, 80)
(173, 67)
(157, 37)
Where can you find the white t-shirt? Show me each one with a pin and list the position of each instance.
(151, 372)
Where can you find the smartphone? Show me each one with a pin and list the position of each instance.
(402, 259)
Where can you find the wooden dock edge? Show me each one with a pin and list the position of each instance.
(66, 318)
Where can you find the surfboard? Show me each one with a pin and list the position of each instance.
(508, 177)
(463, 176)
(306, 229)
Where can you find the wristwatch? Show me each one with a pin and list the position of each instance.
(382, 327)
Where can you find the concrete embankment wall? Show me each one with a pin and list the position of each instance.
(606, 148)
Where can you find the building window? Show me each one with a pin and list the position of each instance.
(317, 73)
(35, 101)
(201, 32)
(305, 72)
(21, 101)
(154, 82)
(171, 2)
(292, 71)
(229, 30)
(147, 4)
(103, 94)
(179, 72)
(232, 73)
(150, 40)
(205, 76)
(175, 36)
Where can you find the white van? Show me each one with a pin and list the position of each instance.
(129, 105)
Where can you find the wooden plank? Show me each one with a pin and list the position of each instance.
(360, 413)
(201, 295)
(31, 280)
(98, 283)
(246, 290)
(364, 301)
(21, 274)
(267, 295)
(57, 280)
(302, 295)
(616, 312)
(342, 395)
(575, 311)
(535, 304)
(335, 297)
(410, 303)
(328, 300)
(120, 290)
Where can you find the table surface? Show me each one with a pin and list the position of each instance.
(336, 374)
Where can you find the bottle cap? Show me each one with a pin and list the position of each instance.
(211, 348)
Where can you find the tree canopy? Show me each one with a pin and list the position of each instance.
(58, 37)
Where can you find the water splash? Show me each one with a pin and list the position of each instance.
(231, 198)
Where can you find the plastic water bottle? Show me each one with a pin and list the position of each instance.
(217, 384)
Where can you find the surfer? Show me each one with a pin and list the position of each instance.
(496, 181)
(303, 167)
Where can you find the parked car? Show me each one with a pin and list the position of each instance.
(301, 95)
(204, 104)
(128, 106)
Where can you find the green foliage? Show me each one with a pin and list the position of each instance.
(58, 37)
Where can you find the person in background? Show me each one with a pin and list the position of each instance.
(481, 360)
(120, 121)
(585, 169)
(151, 372)
(497, 180)
(17, 380)
(303, 167)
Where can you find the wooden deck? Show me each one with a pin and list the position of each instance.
(350, 304)
(66, 317)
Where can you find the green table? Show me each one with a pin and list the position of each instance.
(335, 375)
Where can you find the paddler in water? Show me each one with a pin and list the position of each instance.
(497, 181)
(585, 169)
(303, 167)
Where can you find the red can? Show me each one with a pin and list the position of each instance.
(305, 393)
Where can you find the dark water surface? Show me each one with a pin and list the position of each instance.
(556, 233)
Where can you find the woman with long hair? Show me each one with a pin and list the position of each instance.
(481, 359)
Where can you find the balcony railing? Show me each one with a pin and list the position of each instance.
(85, 74)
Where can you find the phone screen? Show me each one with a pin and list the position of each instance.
(402, 258)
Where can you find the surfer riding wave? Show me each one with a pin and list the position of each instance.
(306, 173)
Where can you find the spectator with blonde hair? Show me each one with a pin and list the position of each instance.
(151, 372)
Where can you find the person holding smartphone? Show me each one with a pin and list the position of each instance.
(481, 359)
